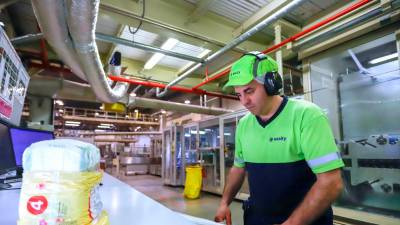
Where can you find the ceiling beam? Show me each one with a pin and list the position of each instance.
(199, 11)
(172, 15)
(264, 13)
(162, 74)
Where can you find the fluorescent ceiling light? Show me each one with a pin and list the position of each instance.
(106, 124)
(383, 58)
(73, 122)
(59, 102)
(104, 127)
(168, 45)
(201, 55)
(97, 130)
(72, 125)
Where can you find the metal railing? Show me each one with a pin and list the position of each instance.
(93, 113)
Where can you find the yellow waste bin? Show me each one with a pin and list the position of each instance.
(193, 182)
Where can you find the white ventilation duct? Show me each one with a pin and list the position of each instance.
(79, 51)
(64, 89)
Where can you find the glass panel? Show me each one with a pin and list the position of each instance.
(190, 134)
(178, 155)
(209, 152)
(359, 89)
(167, 156)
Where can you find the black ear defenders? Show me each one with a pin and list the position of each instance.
(272, 80)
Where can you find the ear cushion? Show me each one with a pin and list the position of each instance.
(272, 83)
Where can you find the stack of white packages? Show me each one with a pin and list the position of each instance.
(59, 173)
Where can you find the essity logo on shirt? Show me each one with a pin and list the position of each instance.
(281, 139)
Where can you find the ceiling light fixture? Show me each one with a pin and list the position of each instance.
(187, 101)
(73, 122)
(106, 124)
(168, 45)
(201, 55)
(72, 125)
(59, 102)
(383, 58)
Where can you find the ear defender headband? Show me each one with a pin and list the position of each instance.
(272, 80)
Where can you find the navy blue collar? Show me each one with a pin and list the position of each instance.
(265, 123)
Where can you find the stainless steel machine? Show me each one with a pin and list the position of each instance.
(209, 153)
(358, 87)
(173, 160)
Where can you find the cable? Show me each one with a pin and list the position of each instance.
(141, 20)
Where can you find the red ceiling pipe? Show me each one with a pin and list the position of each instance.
(65, 71)
(295, 37)
(45, 57)
(174, 88)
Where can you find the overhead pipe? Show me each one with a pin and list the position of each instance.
(175, 106)
(69, 27)
(51, 20)
(82, 19)
(26, 39)
(114, 40)
(121, 41)
(64, 89)
(295, 37)
(165, 26)
(368, 16)
(274, 17)
(174, 88)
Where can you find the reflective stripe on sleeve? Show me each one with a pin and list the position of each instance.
(323, 159)
(239, 160)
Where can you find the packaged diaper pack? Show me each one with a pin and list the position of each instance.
(61, 184)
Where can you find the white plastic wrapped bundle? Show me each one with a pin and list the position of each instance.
(61, 155)
(60, 184)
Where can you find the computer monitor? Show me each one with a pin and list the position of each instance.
(22, 138)
(7, 158)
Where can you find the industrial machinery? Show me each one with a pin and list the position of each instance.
(191, 143)
(358, 87)
(209, 153)
(172, 156)
(13, 82)
(228, 124)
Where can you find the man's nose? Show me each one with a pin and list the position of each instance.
(244, 100)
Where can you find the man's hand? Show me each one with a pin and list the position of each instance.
(223, 213)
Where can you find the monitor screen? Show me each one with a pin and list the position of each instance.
(7, 160)
(23, 138)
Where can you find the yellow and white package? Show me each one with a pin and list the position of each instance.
(50, 196)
